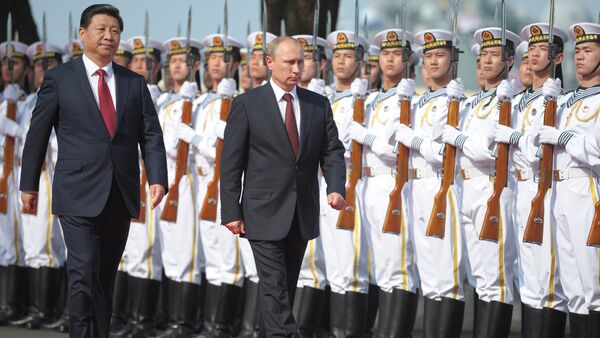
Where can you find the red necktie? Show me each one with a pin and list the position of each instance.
(290, 123)
(107, 109)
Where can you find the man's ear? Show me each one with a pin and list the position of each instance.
(269, 62)
(559, 58)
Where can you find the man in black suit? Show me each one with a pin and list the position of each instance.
(277, 135)
(100, 112)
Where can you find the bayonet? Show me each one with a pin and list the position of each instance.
(248, 55)
(551, 45)
(226, 55)
(149, 62)
(179, 29)
(44, 41)
(405, 47)
(455, 50)
(10, 48)
(264, 32)
(503, 38)
(282, 27)
(358, 53)
(367, 64)
(188, 47)
(327, 32)
(70, 35)
(316, 54)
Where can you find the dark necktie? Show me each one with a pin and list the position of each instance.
(290, 123)
(107, 109)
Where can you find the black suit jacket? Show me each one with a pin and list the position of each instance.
(277, 185)
(88, 157)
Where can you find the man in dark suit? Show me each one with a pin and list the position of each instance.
(276, 137)
(100, 112)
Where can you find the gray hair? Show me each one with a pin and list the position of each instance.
(274, 45)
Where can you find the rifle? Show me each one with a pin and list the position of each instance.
(534, 230)
(169, 212)
(348, 215)
(149, 62)
(594, 234)
(393, 216)
(9, 142)
(491, 221)
(437, 220)
(329, 68)
(264, 32)
(208, 212)
(143, 197)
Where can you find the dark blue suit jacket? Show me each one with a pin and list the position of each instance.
(278, 185)
(88, 157)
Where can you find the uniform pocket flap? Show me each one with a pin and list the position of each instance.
(68, 165)
(257, 193)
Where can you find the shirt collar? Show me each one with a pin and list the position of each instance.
(280, 92)
(91, 67)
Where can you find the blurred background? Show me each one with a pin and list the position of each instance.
(168, 19)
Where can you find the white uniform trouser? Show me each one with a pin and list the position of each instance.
(439, 260)
(538, 269)
(179, 241)
(393, 258)
(312, 271)
(11, 227)
(248, 261)
(346, 252)
(43, 243)
(573, 202)
(493, 265)
(143, 246)
(208, 235)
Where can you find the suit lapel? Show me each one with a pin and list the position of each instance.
(122, 91)
(274, 115)
(88, 94)
(306, 114)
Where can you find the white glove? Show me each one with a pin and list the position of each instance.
(406, 88)
(551, 88)
(549, 135)
(11, 92)
(359, 87)
(220, 128)
(505, 91)
(154, 92)
(452, 136)
(12, 128)
(186, 133)
(189, 90)
(357, 132)
(504, 134)
(455, 89)
(226, 87)
(405, 135)
(329, 91)
(317, 86)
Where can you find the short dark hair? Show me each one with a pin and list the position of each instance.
(110, 10)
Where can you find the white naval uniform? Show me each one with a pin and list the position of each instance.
(43, 242)
(538, 272)
(574, 194)
(179, 241)
(439, 261)
(493, 265)
(221, 247)
(346, 251)
(393, 258)
(11, 226)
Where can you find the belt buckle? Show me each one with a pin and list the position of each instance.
(201, 171)
(368, 172)
(466, 174)
(520, 175)
(416, 173)
(559, 175)
(440, 174)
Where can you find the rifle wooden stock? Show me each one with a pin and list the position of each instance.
(437, 219)
(169, 212)
(491, 221)
(594, 235)
(208, 212)
(534, 230)
(393, 215)
(349, 213)
(9, 157)
(143, 197)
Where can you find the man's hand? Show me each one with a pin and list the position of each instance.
(236, 227)
(29, 199)
(336, 201)
(157, 192)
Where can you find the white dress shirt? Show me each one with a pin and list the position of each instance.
(90, 69)
(283, 104)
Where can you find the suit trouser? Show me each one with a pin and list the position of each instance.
(95, 245)
(278, 264)
(573, 202)
(538, 274)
